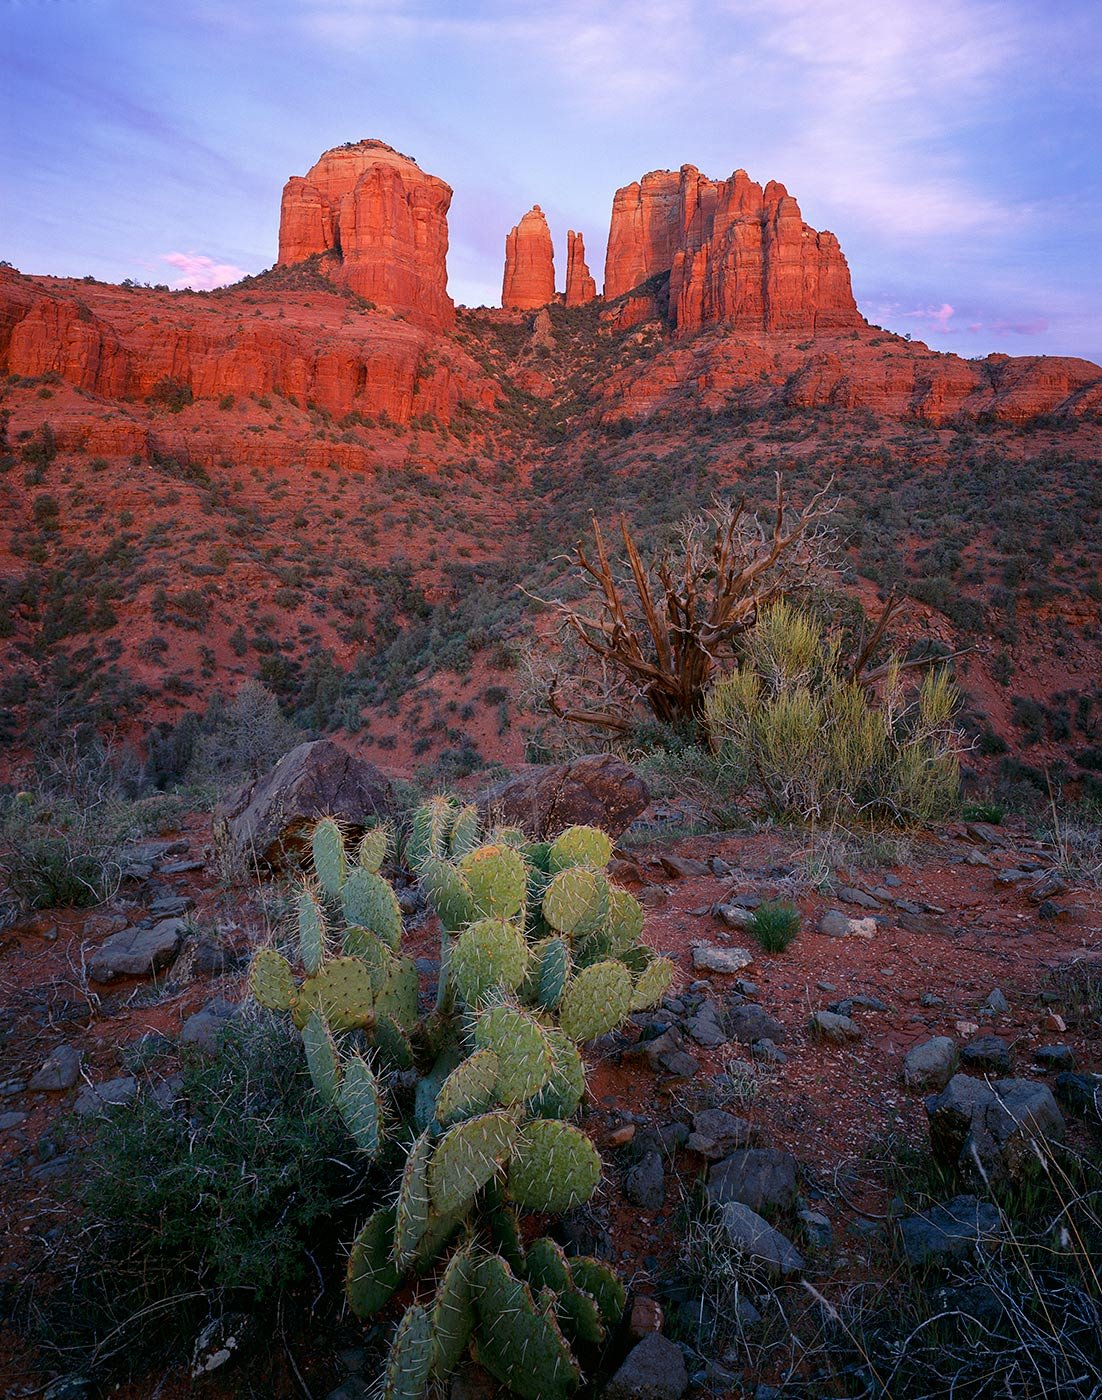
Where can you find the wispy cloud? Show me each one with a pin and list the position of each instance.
(200, 272)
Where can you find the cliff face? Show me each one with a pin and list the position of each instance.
(529, 279)
(381, 225)
(580, 286)
(736, 254)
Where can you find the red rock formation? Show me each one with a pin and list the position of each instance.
(380, 223)
(529, 279)
(580, 286)
(736, 254)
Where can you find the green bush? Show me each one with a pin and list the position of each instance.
(793, 722)
(774, 923)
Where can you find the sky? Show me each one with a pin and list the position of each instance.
(954, 146)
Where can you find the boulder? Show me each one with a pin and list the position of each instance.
(645, 1183)
(204, 1030)
(716, 1133)
(948, 1233)
(832, 1028)
(766, 1247)
(929, 1067)
(992, 1131)
(598, 790)
(763, 1178)
(988, 1053)
(137, 952)
(95, 1099)
(60, 1071)
(266, 819)
(750, 1023)
(654, 1369)
(707, 957)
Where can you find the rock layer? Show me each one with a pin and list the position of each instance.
(580, 286)
(737, 254)
(381, 224)
(529, 279)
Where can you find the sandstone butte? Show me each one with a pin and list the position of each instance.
(381, 226)
(529, 279)
(580, 286)
(750, 307)
(736, 254)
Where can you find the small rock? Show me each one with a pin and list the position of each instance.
(710, 958)
(720, 867)
(646, 1316)
(991, 1131)
(751, 1022)
(765, 1246)
(766, 1051)
(966, 1028)
(645, 1183)
(205, 1029)
(678, 1063)
(705, 1026)
(763, 1178)
(137, 952)
(1048, 886)
(683, 867)
(621, 1136)
(68, 1388)
(929, 1067)
(654, 1369)
(110, 1093)
(1080, 1094)
(1053, 1021)
(834, 924)
(1055, 1057)
(61, 1070)
(932, 999)
(746, 988)
(218, 1344)
(11, 1119)
(733, 916)
(832, 1028)
(995, 1004)
(949, 1232)
(816, 1228)
(988, 1053)
(716, 1133)
(850, 895)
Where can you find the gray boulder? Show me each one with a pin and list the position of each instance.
(137, 952)
(763, 1178)
(267, 819)
(598, 790)
(766, 1247)
(204, 1030)
(60, 1071)
(645, 1183)
(988, 1053)
(992, 1131)
(832, 1028)
(94, 1099)
(929, 1067)
(716, 1133)
(950, 1232)
(654, 1369)
(751, 1022)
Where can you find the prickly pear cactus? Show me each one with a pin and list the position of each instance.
(555, 1167)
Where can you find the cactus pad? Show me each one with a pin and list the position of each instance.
(373, 848)
(322, 1059)
(448, 893)
(371, 1277)
(519, 1345)
(564, 1091)
(625, 918)
(409, 1360)
(602, 1285)
(596, 1001)
(270, 980)
(311, 932)
(576, 901)
(580, 845)
(552, 958)
(652, 984)
(372, 952)
(554, 1167)
(489, 956)
(411, 1215)
(453, 1315)
(469, 1089)
(327, 849)
(467, 1157)
(398, 996)
(498, 880)
(360, 1103)
(369, 902)
(463, 837)
(522, 1048)
(391, 1043)
(428, 838)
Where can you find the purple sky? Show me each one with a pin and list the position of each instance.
(954, 146)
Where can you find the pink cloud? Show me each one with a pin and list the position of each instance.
(1032, 327)
(937, 318)
(201, 273)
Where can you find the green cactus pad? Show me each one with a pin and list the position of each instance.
(409, 1361)
(372, 952)
(372, 849)
(554, 1167)
(546, 1266)
(398, 996)
(341, 991)
(652, 984)
(453, 1316)
(311, 932)
(428, 838)
(469, 1089)
(602, 1285)
(429, 1085)
(439, 1231)
(625, 918)
(463, 837)
(580, 845)
(519, 1345)
(538, 856)
(552, 959)
(509, 836)
(448, 893)
(467, 1157)
(369, 902)
(322, 1059)
(360, 1102)
(505, 1233)
(522, 1048)
(371, 1277)
(579, 1313)
(596, 1001)
(488, 957)
(564, 1091)
(412, 1211)
(270, 980)
(576, 902)
(391, 1043)
(498, 880)
(327, 849)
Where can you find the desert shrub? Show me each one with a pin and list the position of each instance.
(792, 720)
(170, 393)
(242, 738)
(774, 923)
